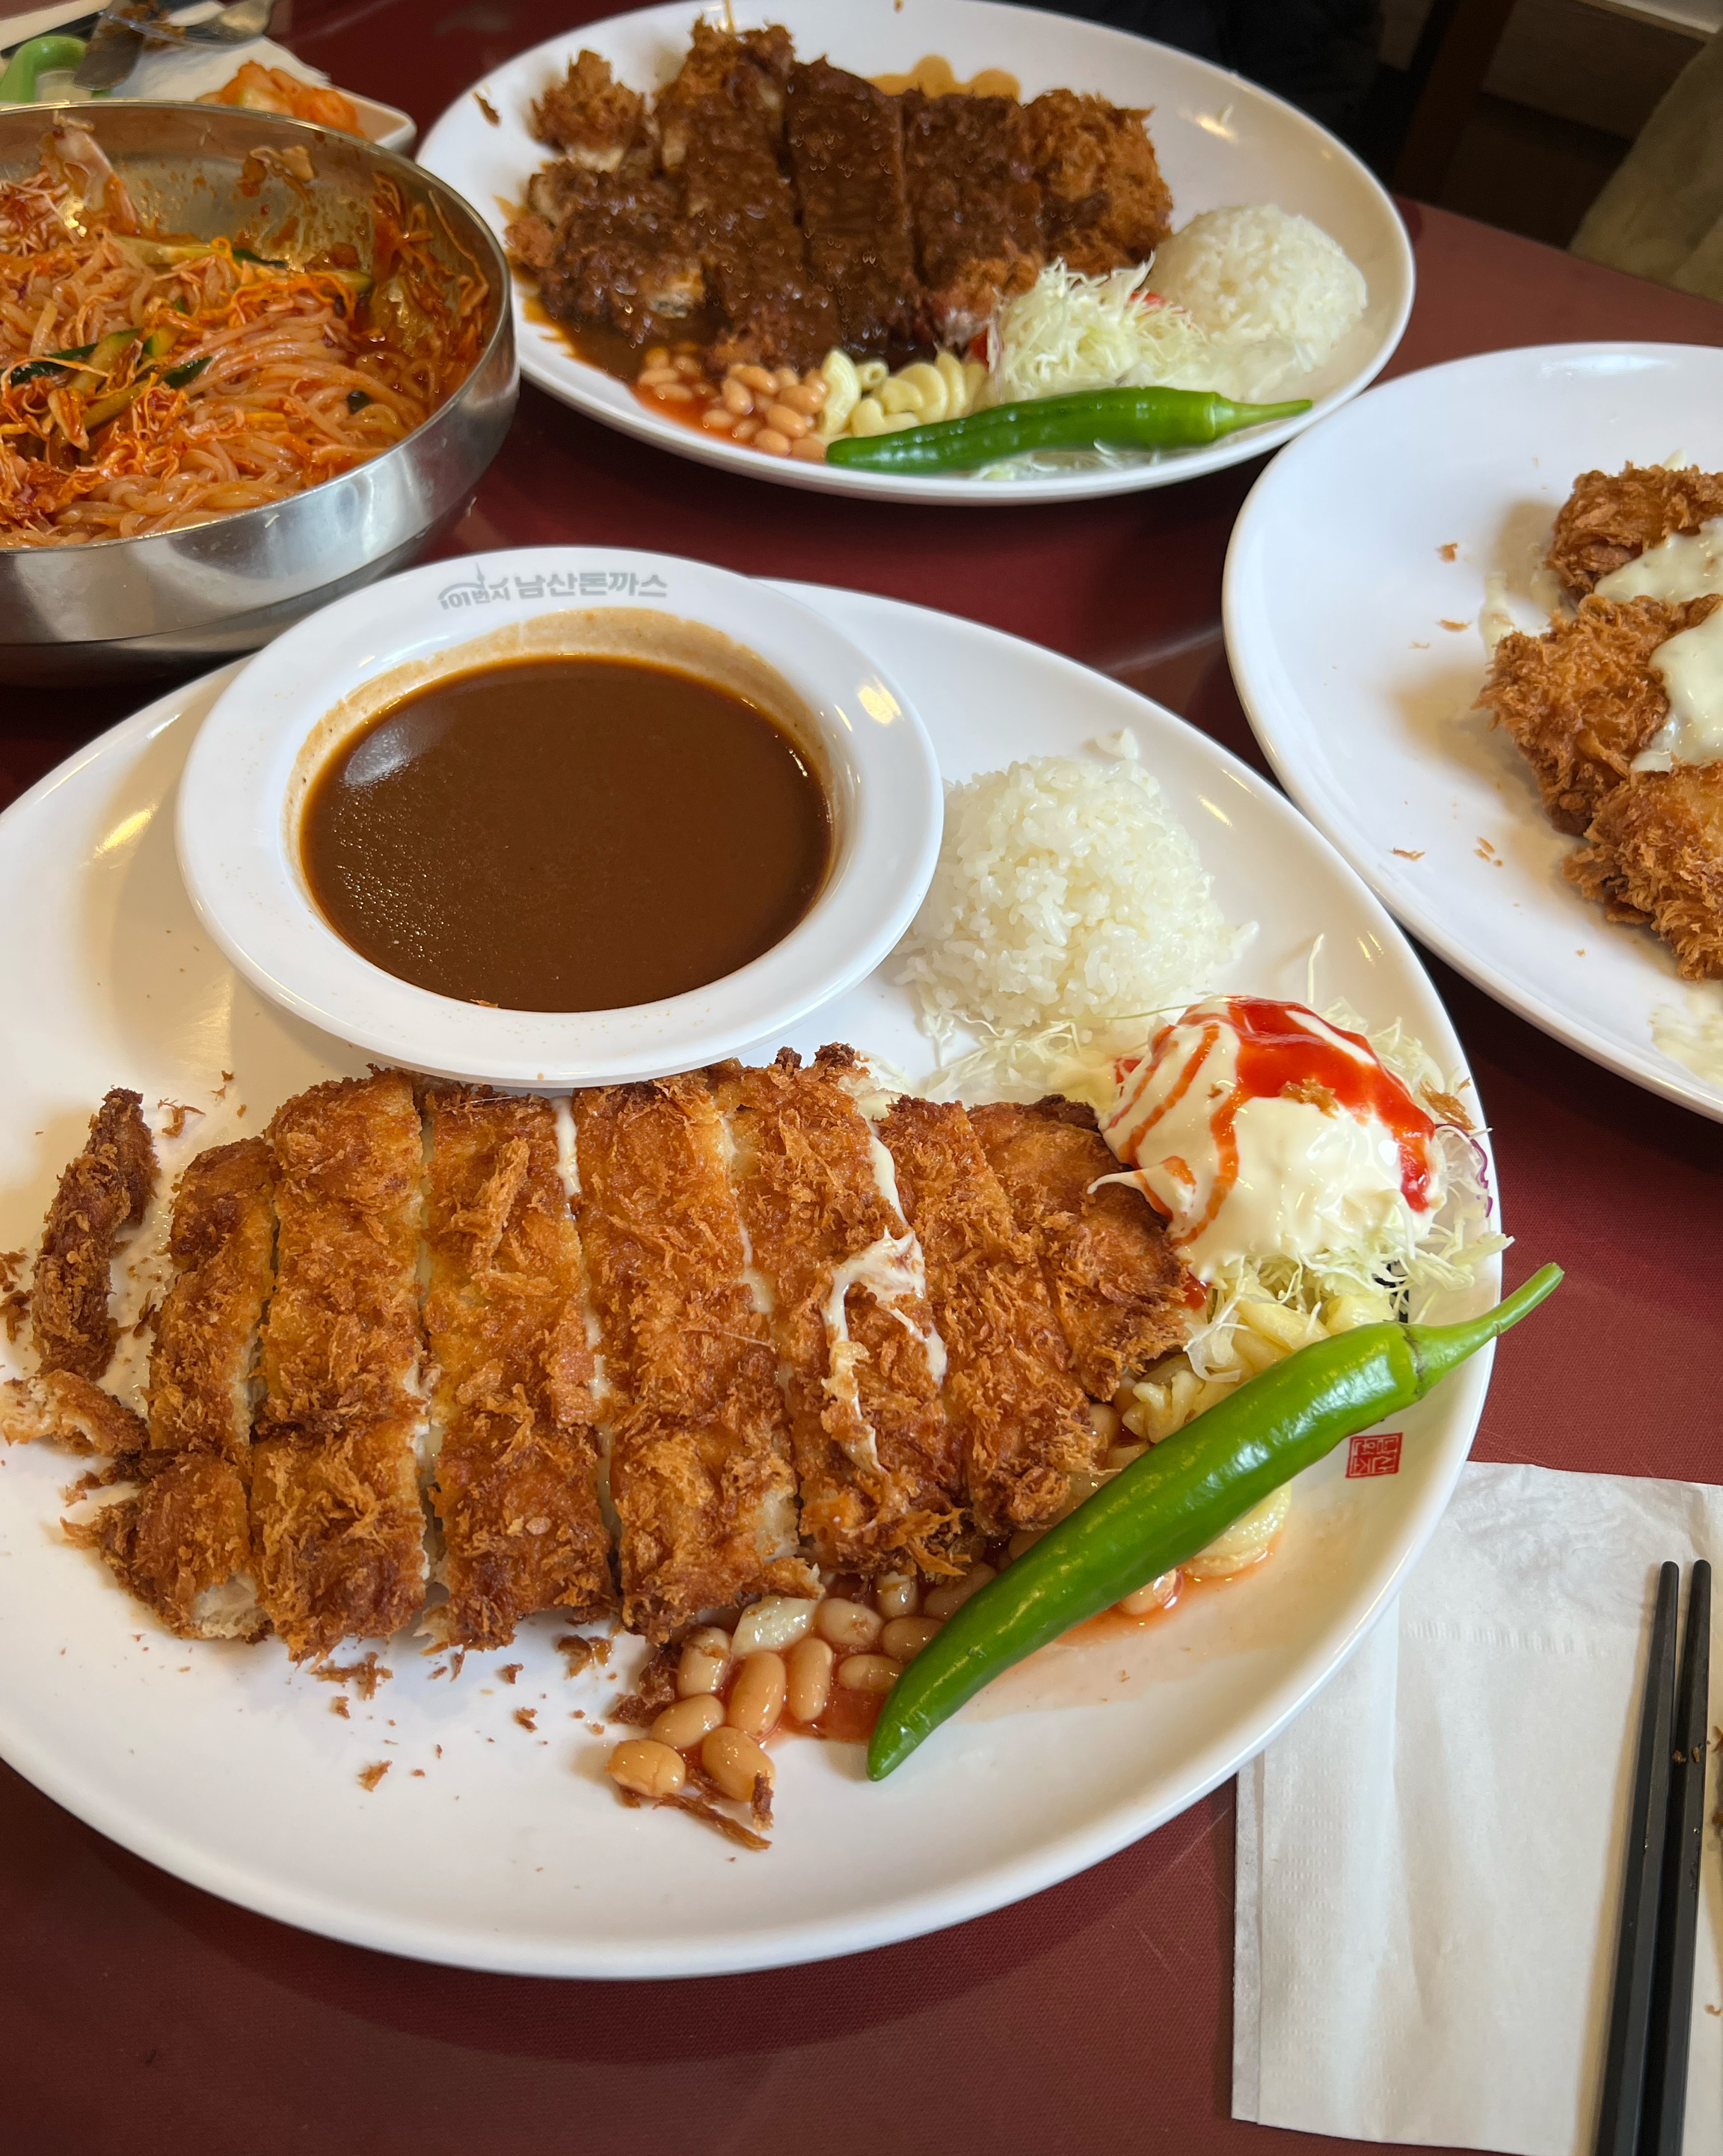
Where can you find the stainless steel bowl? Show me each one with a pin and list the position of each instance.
(119, 607)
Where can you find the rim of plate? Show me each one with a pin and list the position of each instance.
(1253, 679)
(103, 1806)
(238, 861)
(561, 375)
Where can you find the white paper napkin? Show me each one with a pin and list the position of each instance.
(1429, 1861)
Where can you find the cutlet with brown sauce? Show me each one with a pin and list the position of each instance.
(878, 1465)
(1610, 518)
(975, 207)
(1581, 701)
(1654, 855)
(1123, 1296)
(699, 1467)
(517, 1463)
(181, 1542)
(1010, 1388)
(1104, 204)
(846, 151)
(336, 1525)
(721, 122)
(101, 1193)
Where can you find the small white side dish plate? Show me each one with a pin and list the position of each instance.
(1354, 583)
(490, 1846)
(239, 846)
(1219, 140)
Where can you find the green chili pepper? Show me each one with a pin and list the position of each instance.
(1176, 1499)
(37, 56)
(1129, 419)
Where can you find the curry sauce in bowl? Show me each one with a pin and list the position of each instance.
(633, 816)
(566, 833)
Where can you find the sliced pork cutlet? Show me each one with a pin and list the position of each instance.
(1580, 701)
(591, 117)
(516, 1474)
(102, 1192)
(1612, 517)
(612, 249)
(846, 147)
(721, 123)
(57, 1407)
(975, 207)
(699, 1463)
(879, 1467)
(1104, 204)
(1123, 1295)
(337, 1526)
(182, 1541)
(1654, 855)
(1009, 1386)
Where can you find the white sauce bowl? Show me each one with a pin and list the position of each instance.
(324, 680)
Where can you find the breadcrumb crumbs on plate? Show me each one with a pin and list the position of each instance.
(510, 1670)
(365, 1676)
(1450, 550)
(1444, 623)
(340, 1706)
(487, 108)
(370, 1776)
(1410, 853)
(527, 1717)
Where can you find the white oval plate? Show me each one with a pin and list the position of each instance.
(1219, 139)
(506, 1850)
(1336, 596)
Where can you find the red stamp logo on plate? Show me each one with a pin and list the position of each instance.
(1376, 1453)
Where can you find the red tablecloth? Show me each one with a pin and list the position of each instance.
(137, 2014)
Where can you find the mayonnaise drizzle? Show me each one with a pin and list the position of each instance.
(1684, 565)
(1691, 668)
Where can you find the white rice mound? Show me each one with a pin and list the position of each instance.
(1066, 892)
(1257, 275)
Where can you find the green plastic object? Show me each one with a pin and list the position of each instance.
(37, 56)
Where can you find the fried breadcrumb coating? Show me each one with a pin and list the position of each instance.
(1611, 517)
(105, 1189)
(1654, 853)
(1581, 701)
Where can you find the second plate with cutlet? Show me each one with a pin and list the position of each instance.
(862, 152)
(1498, 529)
(458, 1809)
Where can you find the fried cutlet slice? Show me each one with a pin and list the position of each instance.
(1581, 701)
(1010, 1388)
(337, 1526)
(591, 117)
(1612, 517)
(63, 1409)
(1105, 202)
(223, 1245)
(516, 1480)
(975, 205)
(699, 1467)
(878, 1466)
(721, 122)
(1654, 853)
(1123, 1295)
(104, 1190)
(846, 147)
(180, 1542)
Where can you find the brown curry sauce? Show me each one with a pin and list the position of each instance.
(566, 834)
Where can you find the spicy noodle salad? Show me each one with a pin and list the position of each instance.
(150, 381)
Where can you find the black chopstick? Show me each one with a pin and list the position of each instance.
(1630, 2012)
(1678, 1913)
